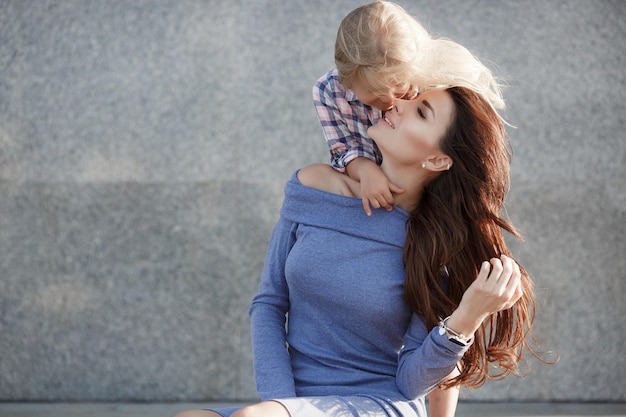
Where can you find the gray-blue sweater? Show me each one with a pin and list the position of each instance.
(338, 276)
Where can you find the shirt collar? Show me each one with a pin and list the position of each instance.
(350, 96)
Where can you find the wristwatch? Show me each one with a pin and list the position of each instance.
(455, 337)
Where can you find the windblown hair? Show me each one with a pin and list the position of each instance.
(380, 45)
(445, 63)
(455, 227)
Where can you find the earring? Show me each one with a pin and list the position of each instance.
(448, 168)
(423, 164)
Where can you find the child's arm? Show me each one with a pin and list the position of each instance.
(344, 131)
(375, 186)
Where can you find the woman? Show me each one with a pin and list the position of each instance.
(383, 309)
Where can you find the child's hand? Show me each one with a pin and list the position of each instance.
(375, 186)
(376, 190)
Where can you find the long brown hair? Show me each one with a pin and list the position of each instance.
(455, 227)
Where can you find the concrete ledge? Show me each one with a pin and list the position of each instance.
(465, 409)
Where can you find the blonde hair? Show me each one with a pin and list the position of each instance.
(445, 63)
(378, 44)
(381, 45)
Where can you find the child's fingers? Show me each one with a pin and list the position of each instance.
(385, 204)
(384, 200)
(395, 189)
(366, 206)
(387, 200)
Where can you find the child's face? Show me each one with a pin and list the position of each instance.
(381, 101)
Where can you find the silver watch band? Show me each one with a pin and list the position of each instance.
(453, 336)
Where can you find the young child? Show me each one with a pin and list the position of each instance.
(382, 53)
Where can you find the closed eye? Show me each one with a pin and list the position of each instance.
(421, 113)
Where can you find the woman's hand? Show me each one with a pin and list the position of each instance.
(497, 287)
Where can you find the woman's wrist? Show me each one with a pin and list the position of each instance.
(453, 336)
(464, 323)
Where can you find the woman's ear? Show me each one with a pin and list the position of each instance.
(438, 163)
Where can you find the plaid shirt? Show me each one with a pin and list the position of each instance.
(345, 121)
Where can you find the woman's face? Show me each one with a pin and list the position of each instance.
(411, 131)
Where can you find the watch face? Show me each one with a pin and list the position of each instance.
(458, 341)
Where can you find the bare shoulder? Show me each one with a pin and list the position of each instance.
(317, 176)
(324, 177)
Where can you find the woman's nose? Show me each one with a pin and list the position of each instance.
(399, 105)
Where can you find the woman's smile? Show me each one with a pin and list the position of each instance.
(388, 118)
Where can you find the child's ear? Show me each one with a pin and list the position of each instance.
(438, 163)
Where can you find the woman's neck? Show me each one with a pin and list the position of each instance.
(411, 179)
(323, 177)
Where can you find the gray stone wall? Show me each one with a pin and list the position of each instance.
(143, 150)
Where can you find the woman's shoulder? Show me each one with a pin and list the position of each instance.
(325, 178)
(316, 176)
(318, 195)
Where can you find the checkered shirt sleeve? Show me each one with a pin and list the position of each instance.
(345, 121)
